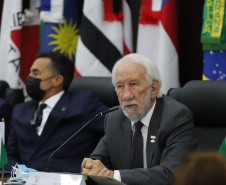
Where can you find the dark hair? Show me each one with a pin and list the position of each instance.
(59, 64)
(201, 168)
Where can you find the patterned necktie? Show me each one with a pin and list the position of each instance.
(39, 114)
(137, 148)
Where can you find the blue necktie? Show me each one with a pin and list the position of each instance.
(39, 114)
(137, 147)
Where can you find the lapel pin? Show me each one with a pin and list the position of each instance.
(63, 109)
(152, 139)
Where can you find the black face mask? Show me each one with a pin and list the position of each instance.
(33, 88)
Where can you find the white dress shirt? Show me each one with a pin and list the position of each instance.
(50, 102)
(144, 130)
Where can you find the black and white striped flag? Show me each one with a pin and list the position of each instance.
(105, 36)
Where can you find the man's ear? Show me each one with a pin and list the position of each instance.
(154, 89)
(59, 80)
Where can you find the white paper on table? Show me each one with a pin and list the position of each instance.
(45, 178)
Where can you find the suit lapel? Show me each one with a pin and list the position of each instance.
(26, 121)
(153, 129)
(27, 127)
(56, 115)
(124, 142)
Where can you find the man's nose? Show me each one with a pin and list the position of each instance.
(127, 94)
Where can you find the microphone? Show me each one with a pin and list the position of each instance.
(99, 114)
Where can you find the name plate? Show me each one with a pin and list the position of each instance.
(45, 178)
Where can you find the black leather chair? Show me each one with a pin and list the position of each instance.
(101, 85)
(10, 95)
(207, 101)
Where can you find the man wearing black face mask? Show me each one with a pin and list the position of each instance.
(40, 126)
(33, 87)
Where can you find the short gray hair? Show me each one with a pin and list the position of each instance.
(151, 69)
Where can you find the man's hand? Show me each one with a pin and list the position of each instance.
(95, 167)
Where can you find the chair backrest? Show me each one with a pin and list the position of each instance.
(101, 85)
(10, 95)
(207, 101)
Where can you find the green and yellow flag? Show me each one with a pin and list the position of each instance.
(222, 149)
(213, 21)
(3, 154)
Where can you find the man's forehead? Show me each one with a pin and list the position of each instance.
(40, 64)
(131, 69)
(42, 61)
(129, 80)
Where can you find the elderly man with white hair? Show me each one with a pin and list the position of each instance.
(148, 135)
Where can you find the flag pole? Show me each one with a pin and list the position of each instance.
(3, 175)
(3, 166)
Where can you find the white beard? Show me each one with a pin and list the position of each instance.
(141, 112)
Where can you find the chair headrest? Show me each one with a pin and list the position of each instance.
(101, 85)
(206, 100)
(14, 96)
(3, 86)
(10, 95)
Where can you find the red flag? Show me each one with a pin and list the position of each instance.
(19, 40)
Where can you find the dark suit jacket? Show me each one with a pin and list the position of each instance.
(171, 123)
(5, 112)
(70, 113)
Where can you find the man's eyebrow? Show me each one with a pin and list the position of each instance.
(35, 70)
(136, 79)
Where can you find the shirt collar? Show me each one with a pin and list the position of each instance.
(51, 102)
(146, 119)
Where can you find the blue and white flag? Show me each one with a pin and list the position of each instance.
(59, 30)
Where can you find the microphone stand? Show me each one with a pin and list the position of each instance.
(99, 114)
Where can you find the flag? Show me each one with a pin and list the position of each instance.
(222, 149)
(59, 28)
(105, 36)
(214, 40)
(19, 40)
(3, 157)
(214, 65)
(157, 38)
(213, 22)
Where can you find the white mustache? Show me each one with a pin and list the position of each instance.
(130, 102)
